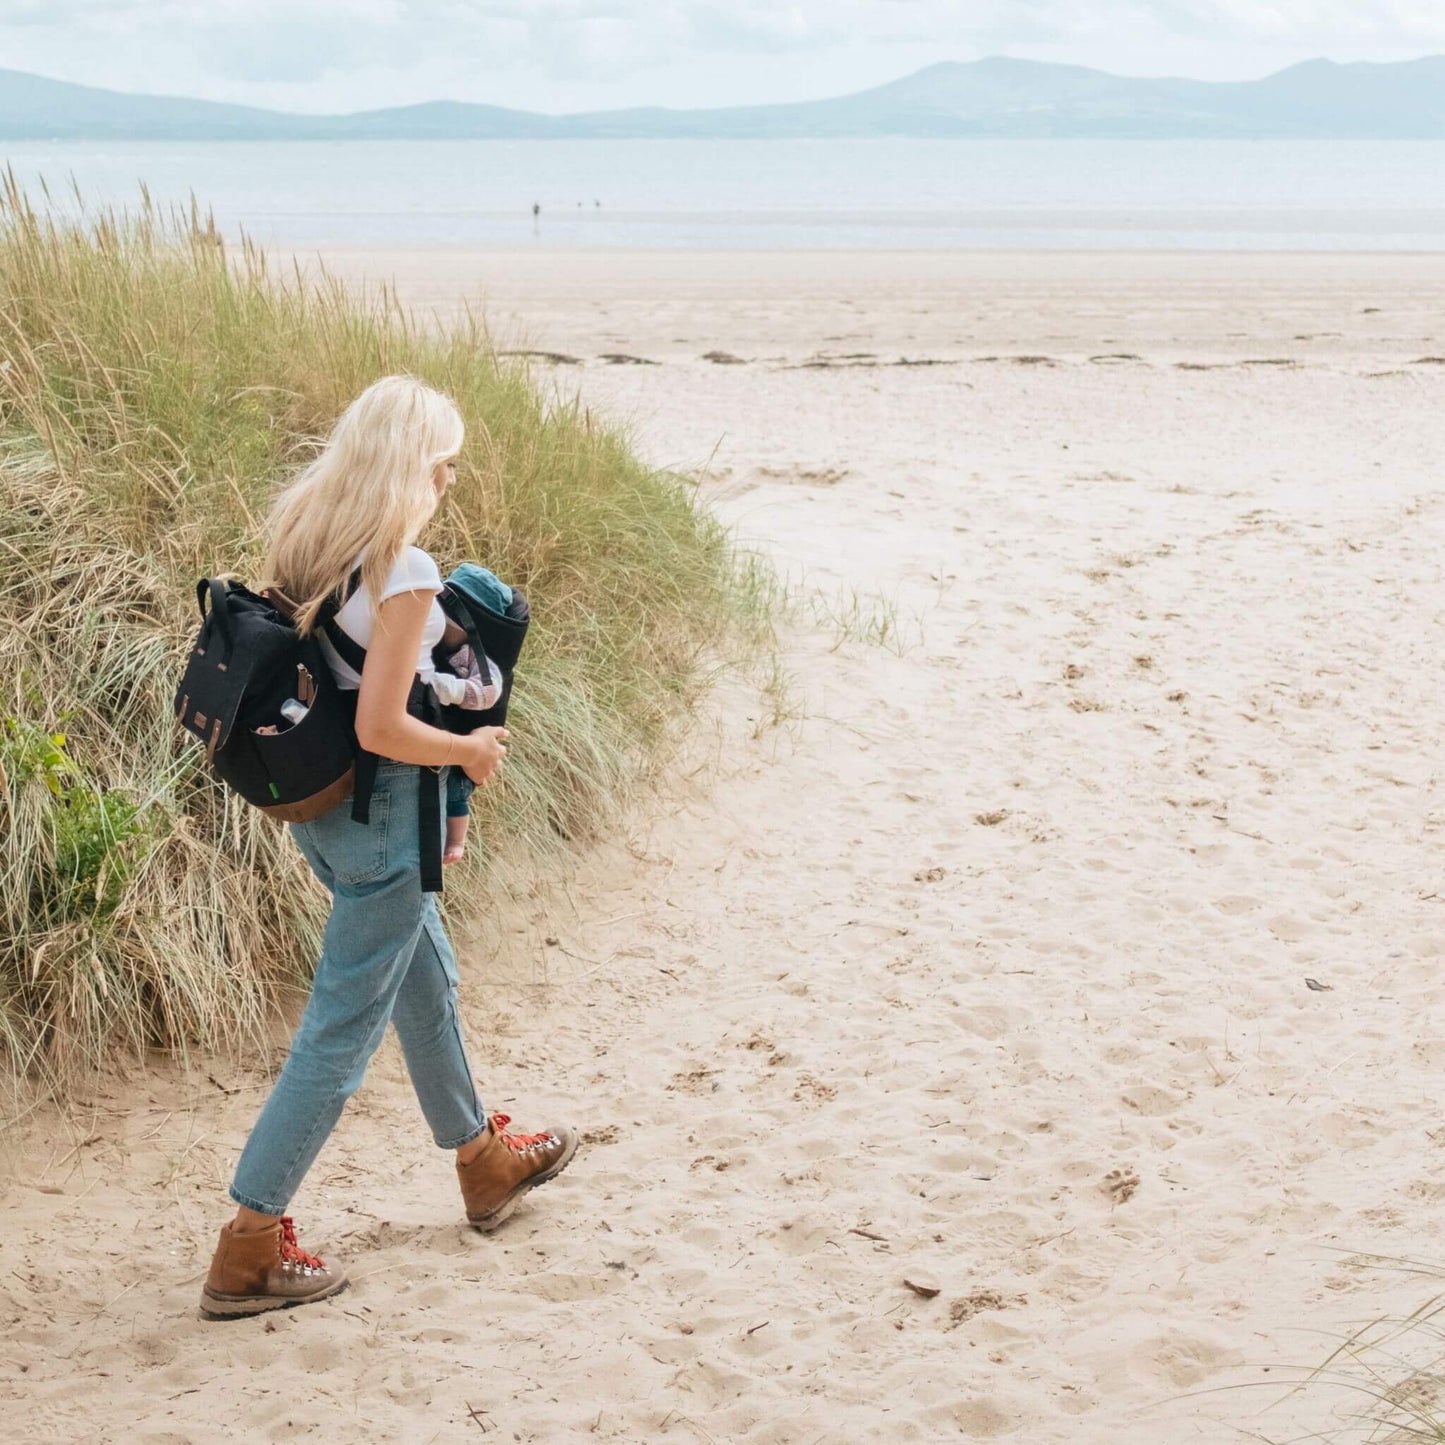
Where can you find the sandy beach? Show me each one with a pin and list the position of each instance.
(1061, 932)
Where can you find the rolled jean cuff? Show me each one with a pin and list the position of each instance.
(465, 1139)
(255, 1205)
(459, 792)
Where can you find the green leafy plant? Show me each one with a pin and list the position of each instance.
(33, 752)
(90, 837)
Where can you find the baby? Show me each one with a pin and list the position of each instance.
(486, 624)
(464, 685)
(467, 686)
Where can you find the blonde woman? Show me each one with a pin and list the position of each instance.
(385, 956)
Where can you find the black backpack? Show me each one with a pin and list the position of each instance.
(247, 660)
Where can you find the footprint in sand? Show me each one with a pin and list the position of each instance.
(1181, 1359)
(1290, 930)
(980, 1301)
(700, 1079)
(988, 1021)
(979, 1418)
(1235, 903)
(560, 1288)
(1150, 1100)
(1119, 1185)
(813, 1090)
(1428, 1054)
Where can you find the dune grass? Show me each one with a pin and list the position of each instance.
(154, 390)
(1381, 1384)
(1392, 1369)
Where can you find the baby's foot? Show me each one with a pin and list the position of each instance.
(456, 839)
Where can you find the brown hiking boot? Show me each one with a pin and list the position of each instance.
(264, 1269)
(508, 1166)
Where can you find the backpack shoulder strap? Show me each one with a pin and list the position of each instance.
(351, 652)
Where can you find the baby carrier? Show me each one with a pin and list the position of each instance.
(495, 619)
(249, 662)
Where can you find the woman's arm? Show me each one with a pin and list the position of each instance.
(383, 725)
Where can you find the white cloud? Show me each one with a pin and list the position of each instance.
(1402, 20)
(566, 54)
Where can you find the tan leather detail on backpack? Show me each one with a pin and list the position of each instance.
(317, 804)
(288, 607)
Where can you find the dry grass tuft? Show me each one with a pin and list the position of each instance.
(154, 389)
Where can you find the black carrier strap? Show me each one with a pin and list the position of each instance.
(429, 805)
(421, 703)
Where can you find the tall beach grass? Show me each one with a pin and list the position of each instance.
(155, 387)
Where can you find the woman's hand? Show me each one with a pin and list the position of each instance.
(486, 747)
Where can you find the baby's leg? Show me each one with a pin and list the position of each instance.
(459, 798)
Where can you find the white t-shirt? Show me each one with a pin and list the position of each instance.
(414, 572)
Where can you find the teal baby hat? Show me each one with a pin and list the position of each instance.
(482, 586)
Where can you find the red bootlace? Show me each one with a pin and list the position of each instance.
(291, 1251)
(516, 1141)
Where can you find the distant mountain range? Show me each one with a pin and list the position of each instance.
(986, 98)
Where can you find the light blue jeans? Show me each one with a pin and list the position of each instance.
(384, 958)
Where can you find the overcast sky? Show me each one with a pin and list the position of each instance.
(562, 55)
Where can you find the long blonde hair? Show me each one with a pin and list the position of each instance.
(370, 490)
